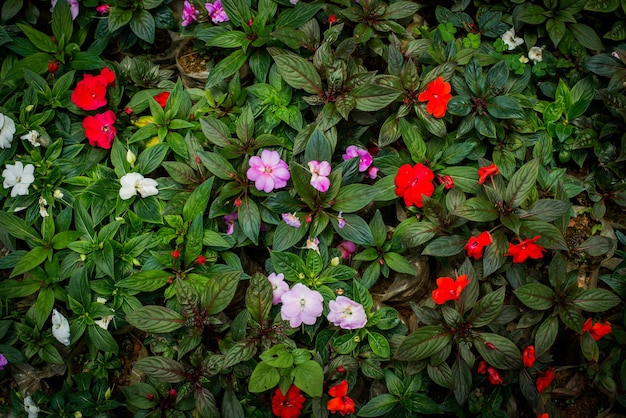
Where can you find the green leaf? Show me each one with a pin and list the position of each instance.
(143, 25)
(217, 165)
(595, 300)
(226, 67)
(422, 404)
(62, 24)
(30, 260)
(118, 17)
(150, 159)
(488, 308)
(445, 246)
(250, 219)
(597, 245)
(498, 351)
(379, 406)
(17, 227)
(318, 147)
(309, 377)
(146, 281)
(162, 369)
(215, 131)
(523, 182)
(423, 343)
(503, 107)
(264, 377)
(289, 264)
(296, 71)
(414, 233)
(556, 29)
(39, 39)
(10, 8)
(157, 319)
(477, 209)
(546, 335)
(198, 201)
(286, 236)
(259, 298)
(441, 375)
(547, 210)
(462, 378)
(536, 296)
(355, 230)
(586, 36)
(354, 197)
(533, 15)
(278, 357)
(379, 344)
(219, 291)
(398, 263)
(371, 97)
(102, 339)
(551, 237)
(43, 306)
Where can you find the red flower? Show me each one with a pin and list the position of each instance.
(447, 181)
(482, 367)
(476, 245)
(597, 330)
(161, 98)
(332, 19)
(53, 66)
(99, 129)
(289, 405)
(437, 94)
(413, 182)
(449, 289)
(544, 415)
(175, 253)
(527, 248)
(340, 402)
(544, 380)
(90, 92)
(493, 376)
(528, 356)
(484, 172)
(201, 259)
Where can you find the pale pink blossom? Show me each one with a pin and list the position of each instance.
(313, 244)
(346, 313)
(291, 219)
(301, 305)
(365, 158)
(268, 172)
(279, 286)
(319, 175)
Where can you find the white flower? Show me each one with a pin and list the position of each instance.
(30, 407)
(510, 40)
(135, 182)
(32, 137)
(535, 54)
(7, 129)
(18, 177)
(43, 212)
(58, 194)
(105, 320)
(60, 328)
(523, 59)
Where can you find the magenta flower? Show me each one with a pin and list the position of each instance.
(319, 175)
(3, 361)
(347, 248)
(340, 221)
(346, 313)
(268, 172)
(230, 222)
(103, 9)
(216, 11)
(365, 158)
(279, 286)
(372, 172)
(190, 14)
(301, 305)
(291, 219)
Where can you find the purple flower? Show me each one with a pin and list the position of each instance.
(301, 305)
(3, 361)
(340, 221)
(365, 158)
(268, 172)
(346, 313)
(279, 286)
(372, 172)
(319, 175)
(291, 219)
(190, 14)
(73, 7)
(216, 11)
(230, 222)
(347, 248)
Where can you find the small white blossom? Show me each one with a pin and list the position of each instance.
(58, 194)
(535, 54)
(105, 320)
(510, 40)
(43, 212)
(7, 129)
(523, 59)
(313, 244)
(131, 157)
(30, 407)
(135, 182)
(18, 177)
(614, 54)
(32, 137)
(60, 328)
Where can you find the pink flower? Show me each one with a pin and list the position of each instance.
(216, 11)
(190, 14)
(268, 172)
(372, 172)
(279, 286)
(346, 313)
(291, 219)
(73, 7)
(230, 222)
(365, 158)
(347, 248)
(301, 305)
(103, 8)
(319, 175)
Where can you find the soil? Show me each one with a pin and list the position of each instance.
(190, 59)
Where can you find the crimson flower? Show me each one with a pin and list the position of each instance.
(447, 181)
(90, 92)
(482, 367)
(449, 289)
(414, 182)
(597, 330)
(528, 356)
(484, 172)
(340, 402)
(476, 245)
(527, 248)
(53, 66)
(289, 405)
(332, 19)
(544, 380)
(175, 253)
(544, 415)
(99, 129)
(493, 376)
(161, 98)
(201, 259)
(437, 94)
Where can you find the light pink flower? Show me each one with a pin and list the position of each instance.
(347, 248)
(291, 219)
(372, 172)
(319, 175)
(216, 11)
(312, 244)
(365, 158)
(230, 222)
(190, 14)
(346, 313)
(301, 305)
(73, 7)
(279, 286)
(268, 172)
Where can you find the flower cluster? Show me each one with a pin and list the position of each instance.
(492, 373)
(214, 11)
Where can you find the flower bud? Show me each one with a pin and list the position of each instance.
(334, 261)
(83, 257)
(332, 19)
(29, 108)
(58, 194)
(238, 202)
(150, 397)
(131, 158)
(129, 111)
(175, 253)
(173, 392)
(340, 369)
(201, 259)
(53, 66)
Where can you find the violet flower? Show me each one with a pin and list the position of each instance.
(216, 12)
(346, 313)
(268, 172)
(230, 222)
(341, 222)
(365, 158)
(319, 175)
(3, 361)
(279, 286)
(301, 305)
(347, 248)
(291, 219)
(190, 14)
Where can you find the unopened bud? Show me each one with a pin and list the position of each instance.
(334, 261)
(173, 392)
(340, 369)
(131, 158)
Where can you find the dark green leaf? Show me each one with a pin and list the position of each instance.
(162, 369)
(157, 319)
